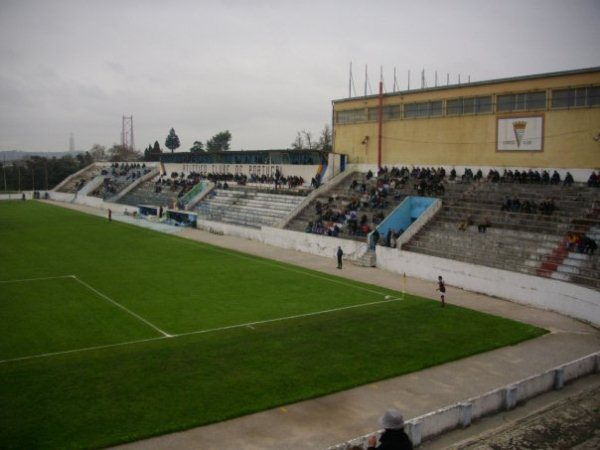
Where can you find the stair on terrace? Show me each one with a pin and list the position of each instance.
(342, 194)
(117, 183)
(86, 176)
(530, 243)
(247, 207)
(145, 194)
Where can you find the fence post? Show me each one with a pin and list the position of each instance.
(559, 378)
(510, 397)
(466, 414)
(414, 431)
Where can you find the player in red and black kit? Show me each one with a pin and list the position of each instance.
(442, 289)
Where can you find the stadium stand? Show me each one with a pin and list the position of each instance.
(247, 206)
(527, 242)
(73, 184)
(147, 194)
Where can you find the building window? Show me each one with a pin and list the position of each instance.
(469, 105)
(373, 114)
(350, 116)
(576, 97)
(423, 109)
(521, 102)
(389, 112)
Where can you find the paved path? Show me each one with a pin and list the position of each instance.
(319, 423)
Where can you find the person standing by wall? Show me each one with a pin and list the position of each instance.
(442, 290)
(340, 254)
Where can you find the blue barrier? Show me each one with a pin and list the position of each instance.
(401, 218)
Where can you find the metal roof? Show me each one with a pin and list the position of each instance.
(475, 83)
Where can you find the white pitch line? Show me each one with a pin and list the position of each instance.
(37, 279)
(137, 316)
(279, 319)
(78, 350)
(165, 336)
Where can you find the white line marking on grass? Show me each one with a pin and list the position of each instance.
(279, 319)
(167, 336)
(137, 316)
(24, 280)
(78, 350)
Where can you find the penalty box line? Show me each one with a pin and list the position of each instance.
(118, 305)
(95, 291)
(191, 333)
(281, 319)
(25, 280)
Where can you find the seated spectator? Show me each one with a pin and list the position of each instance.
(484, 225)
(545, 177)
(568, 179)
(507, 205)
(528, 207)
(572, 241)
(547, 207)
(365, 229)
(593, 180)
(589, 245)
(465, 223)
(555, 179)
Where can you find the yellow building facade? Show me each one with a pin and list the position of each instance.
(537, 121)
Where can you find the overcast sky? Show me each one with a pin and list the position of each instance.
(261, 69)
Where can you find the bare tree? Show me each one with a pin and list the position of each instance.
(308, 139)
(325, 139)
(298, 143)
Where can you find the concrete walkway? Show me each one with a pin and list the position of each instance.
(322, 422)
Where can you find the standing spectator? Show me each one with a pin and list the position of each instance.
(442, 290)
(340, 254)
(110, 215)
(394, 437)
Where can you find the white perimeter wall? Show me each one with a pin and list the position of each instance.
(545, 293)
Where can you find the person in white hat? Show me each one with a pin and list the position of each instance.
(393, 437)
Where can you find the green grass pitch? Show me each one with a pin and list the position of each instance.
(112, 333)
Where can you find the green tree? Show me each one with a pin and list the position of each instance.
(98, 152)
(198, 147)
(153, 152)
(84, 159)
(219, 142)
(119, 153)
(172, 142)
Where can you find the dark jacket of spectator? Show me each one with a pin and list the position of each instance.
(393, 440)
